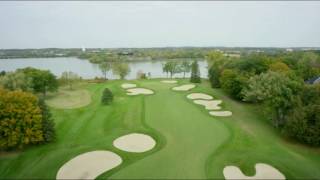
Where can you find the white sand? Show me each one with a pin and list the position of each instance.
(137, 91)
(263, 171)
(128, 85)
(185, 87)
(134, 142)
(209, 104)
(199, 96)
(169, 81)
(220, 113)
(89, 165)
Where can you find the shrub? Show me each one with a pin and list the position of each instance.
(107, 97)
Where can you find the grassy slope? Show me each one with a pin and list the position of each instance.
(191, 144)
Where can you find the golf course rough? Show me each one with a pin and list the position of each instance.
(199, 96)
(209, 104)
(169, 81)
(128, 85)
(89, 165)
(137, 91)
(135, 142)
(263, 171)
(185, 87)
(220, 113)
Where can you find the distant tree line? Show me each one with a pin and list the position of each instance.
(278, 82)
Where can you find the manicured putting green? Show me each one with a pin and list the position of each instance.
(70, 99)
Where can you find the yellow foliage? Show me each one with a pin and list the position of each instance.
(20, 119)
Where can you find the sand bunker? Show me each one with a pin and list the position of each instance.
(209, 104)
(169, 81)
(199, 96)
(89, 165)
(263, 171)
(137, 91)
(185, 87)
(134, 142)
(128, 85)
(220, 113)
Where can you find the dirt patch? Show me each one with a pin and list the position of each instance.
(263, 171)
(135, 142)
(209, 104)
(185, 87)
(199, 96)
(89, 165)
(137, 91)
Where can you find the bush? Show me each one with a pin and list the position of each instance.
(20, 119)
(107, 97)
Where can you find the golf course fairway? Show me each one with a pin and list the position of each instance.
(190, 143)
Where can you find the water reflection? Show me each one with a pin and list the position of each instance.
(87, 70)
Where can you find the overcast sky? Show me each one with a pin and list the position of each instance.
(158, 24)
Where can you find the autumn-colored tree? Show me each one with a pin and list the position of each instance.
(279, 67)
(20, 119)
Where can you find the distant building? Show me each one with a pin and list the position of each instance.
(289, 50)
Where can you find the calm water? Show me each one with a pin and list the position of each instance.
(87, 70)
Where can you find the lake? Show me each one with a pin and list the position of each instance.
(87, 70)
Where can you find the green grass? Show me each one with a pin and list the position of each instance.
(190, 142)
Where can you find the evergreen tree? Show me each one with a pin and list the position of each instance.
(195, 73)
(47, 122)
(107, 97)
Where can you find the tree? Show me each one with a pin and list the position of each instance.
(195, 73)
(107, 97)
(233, 82)
(47, 122)
(217, 62)
(16, 81)
(2, 73)
(171, 67)
(309, 66)
(70, 78)
(42, 80)
(276, 91)
(121, 69)
(105, 67)
(20, 119)
(185, 67)
(279, 67)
